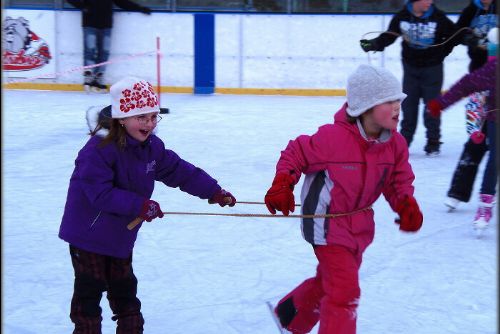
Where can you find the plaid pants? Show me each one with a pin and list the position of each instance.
(94, 274)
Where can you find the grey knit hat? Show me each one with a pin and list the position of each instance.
(369, 86)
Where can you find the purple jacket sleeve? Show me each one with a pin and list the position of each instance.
(480, 80)
(175, 172)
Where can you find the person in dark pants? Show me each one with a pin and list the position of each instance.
(480, 80)
(480, 16)
(110, 187)
(425, 29)
(97, 21)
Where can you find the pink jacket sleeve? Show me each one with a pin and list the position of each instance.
(305, 154)
(402, 177)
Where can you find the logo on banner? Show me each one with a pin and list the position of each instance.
(23, 49)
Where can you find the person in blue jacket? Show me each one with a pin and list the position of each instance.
(111, 186)
(428, 37)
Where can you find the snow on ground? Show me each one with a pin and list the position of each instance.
(212, 275)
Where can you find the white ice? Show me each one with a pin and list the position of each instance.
(212, 275)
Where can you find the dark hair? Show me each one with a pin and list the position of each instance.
(116, 132)
(352, 120)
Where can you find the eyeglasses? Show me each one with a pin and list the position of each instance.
(143, 119)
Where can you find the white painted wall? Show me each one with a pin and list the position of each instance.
(252, 51)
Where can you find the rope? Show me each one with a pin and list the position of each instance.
(138, 220)
(80, 68)
(257, 203)
(416, 42)
(328, 215)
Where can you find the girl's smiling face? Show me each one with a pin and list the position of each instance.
(141, 126)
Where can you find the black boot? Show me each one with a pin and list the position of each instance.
(97, 84)
(432, 147)
(88, 79)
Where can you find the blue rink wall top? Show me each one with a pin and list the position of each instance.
(228, 53)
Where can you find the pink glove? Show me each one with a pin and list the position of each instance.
(150, 210)
(280, 195)
(435, 108)
(477, 137)
(223, 198)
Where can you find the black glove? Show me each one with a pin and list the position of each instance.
(368, 45)
(146, 10)
(471, 40)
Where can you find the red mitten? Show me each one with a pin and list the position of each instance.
(410, 217)
(223, 198)
(477, 137)
(435, 108)
(150, 210)
(280, 195)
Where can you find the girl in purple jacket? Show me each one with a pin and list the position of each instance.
(482, 79)
(111, 185)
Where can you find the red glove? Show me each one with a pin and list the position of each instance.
(223, 198)
(410, 217)
(435, 108)
(477, 137)
(150, 210)
(280, 195)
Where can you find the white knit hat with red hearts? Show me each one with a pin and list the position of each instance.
(131, 97)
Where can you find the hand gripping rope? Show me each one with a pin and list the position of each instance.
(139, 220)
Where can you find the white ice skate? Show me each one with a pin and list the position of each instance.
(451, 203)
(483, 214)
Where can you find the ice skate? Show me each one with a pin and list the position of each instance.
(483, 214)
(97, 85)
(452, 203)
(88, 78)
(432, 147)
(277, 320)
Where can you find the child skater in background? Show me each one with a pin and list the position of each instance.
(482, 79)
(347, 166)
(111, 185)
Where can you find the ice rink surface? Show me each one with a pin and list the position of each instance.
(212, 275)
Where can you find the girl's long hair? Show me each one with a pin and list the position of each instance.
(116, 133)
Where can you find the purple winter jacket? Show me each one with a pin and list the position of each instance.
(108, 187)
(482, 79)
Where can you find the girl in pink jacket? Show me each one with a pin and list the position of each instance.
(347, 166)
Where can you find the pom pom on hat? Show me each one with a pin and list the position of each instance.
(131, 97)
(492, 42)
(369, 86)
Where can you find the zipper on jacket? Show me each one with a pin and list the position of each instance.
(95, 219)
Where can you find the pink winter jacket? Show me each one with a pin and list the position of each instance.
(346, 173)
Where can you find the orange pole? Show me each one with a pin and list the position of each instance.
(158, 69)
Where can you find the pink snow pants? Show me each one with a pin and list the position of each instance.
(331, 297)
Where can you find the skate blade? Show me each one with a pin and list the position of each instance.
(98, 90)
(275, 318)
(480, 229)
(450, 208)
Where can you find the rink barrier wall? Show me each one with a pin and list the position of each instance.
(188, 90)
(309, 55)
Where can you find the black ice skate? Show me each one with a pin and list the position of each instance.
(97, 85)
(432, 147)
(88, 78)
